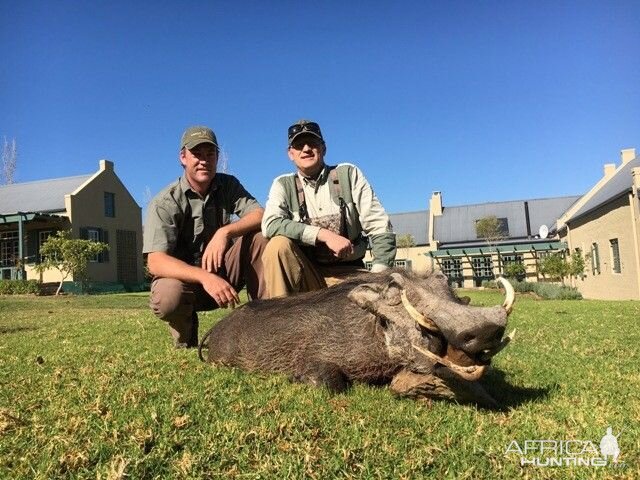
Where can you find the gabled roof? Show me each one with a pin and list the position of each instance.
(619, 184)
(39, 196)
(413, 223)
(458, 224)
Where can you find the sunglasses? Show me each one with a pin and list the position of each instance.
(299, 143)
(310, 127)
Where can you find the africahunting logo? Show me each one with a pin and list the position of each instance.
(565, 453)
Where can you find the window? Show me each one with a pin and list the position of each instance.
(109, 204)
(42, 237)
(543, 255)
(396, 263)
(509, 259)
(595, 259)
(97, 235)
(513, 266)
(615, 256)
(93, 234)
(483, 267)
(9, 248)
(402, 264)
(452, 268)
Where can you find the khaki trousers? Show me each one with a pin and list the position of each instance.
(287, 270)
(176, 301)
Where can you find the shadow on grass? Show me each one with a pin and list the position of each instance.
(510, 396)
(4, 330)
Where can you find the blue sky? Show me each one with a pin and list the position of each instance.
(484, 101)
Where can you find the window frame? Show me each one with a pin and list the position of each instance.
(110, 204)
(595, 259)
(616, 264)
(91, 232)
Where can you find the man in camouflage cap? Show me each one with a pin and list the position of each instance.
(199, 259)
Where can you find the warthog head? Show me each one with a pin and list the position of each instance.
(432, 329)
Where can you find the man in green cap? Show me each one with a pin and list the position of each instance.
(199, 259)
(320, 220)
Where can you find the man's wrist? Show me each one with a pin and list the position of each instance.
(224, 230)
(204, 275)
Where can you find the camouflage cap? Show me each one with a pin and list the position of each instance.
(304, 127)
(193, 136)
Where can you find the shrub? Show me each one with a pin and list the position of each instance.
(551, 291)
(523, 287)
(515, 271)
(548, 291)
(19, 287)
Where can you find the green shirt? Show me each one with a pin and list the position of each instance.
(181, 223)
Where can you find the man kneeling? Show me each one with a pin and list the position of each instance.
(198, 258)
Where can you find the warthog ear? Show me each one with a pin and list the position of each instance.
(366, 295)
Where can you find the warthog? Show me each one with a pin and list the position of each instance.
(392, 327)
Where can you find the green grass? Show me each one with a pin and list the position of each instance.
(91, 388)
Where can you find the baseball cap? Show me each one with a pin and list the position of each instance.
(193, 136)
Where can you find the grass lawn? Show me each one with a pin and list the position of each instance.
(91, 388)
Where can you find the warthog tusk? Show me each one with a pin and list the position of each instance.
(471, 373)
(509, 292)
(417, 316)
(488, 354)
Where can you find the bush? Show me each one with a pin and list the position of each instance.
(515, 271)
(489, 284)
(551, 291)
(523, 287)
(19, 287)
(548, 291)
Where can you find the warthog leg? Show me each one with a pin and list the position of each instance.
(322, 374)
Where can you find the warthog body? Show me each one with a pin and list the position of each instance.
(397, 327)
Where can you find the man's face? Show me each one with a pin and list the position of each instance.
(200, 164)
(307, 152)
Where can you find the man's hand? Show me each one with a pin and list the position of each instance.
(220, 290)
(340, 246)
(213, 256)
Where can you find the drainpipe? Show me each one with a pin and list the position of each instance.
(634, 203)
(20, 272)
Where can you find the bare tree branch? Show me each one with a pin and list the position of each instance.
(9, 161)
(223, 161)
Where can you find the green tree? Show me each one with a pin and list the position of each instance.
(9, 161)
(490, 229)
(515, 270)
(405, 241)
(70, 256)
(555, 266)
(576, 264)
